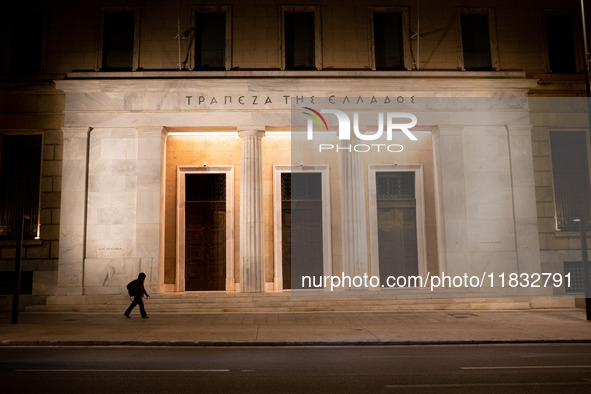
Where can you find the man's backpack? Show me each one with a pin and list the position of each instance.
(131, 288)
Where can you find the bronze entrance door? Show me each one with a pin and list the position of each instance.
(301, 219)
(397, 227)
(205, 232)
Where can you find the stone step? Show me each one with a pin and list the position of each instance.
(282, 302)
(285, 309)
(231, 299)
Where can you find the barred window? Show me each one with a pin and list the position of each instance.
(397, 223)
(393, 186)
(301, 187)
(19, 184)
(570, 170)
(205, 187)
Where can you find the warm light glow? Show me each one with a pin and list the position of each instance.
(208, 133)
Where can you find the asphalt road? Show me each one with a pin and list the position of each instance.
(532, 368)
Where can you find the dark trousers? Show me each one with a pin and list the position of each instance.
(137, 300)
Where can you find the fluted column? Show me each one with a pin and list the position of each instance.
(252, 257)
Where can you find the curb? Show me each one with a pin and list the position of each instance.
(282, 344)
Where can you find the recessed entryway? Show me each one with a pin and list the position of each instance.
(204, 228)
(302, 224)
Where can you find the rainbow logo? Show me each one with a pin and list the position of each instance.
(316, 118)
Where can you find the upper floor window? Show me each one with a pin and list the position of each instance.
(19, 184)
(26, 41)
(388, 41)
(212, 43)
(570, 172)
(478, 47)
(119, 41)
(301, 38)
(560, 43)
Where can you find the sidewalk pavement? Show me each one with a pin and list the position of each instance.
(285, 329)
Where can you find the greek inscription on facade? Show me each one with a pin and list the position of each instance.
(332, 99)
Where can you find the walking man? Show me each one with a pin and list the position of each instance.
(137, 291)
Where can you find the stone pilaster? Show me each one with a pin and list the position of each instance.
(524, 210)
(448, 150)
(149, 169)
(252, 257)
(73, 211)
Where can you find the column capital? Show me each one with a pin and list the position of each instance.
(255, 131)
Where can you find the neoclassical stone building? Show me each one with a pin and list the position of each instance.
(169, 139)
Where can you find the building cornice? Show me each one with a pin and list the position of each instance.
(296, 74)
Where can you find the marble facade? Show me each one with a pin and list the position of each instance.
(480, 203)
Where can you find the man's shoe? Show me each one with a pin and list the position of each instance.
(145, 317)
(127, 316)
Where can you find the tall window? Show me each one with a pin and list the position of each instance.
(397, 223)
(27, 39)
(19, 184)
(388, 41)
(476, 42)
(570, 170)
(210, 40)
(118, 41)
(300, 40)
(301, 220)
(560, 42)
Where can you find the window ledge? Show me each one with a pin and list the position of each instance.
(26, 242)
(296, 74)
(570, 234)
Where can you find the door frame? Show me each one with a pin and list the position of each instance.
(420, 214)
(180, 221)
(277, 223)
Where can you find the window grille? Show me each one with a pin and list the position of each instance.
(205, 188)
(301, 187)
(397, 224)
(393, 186)
(571, 178)
(19, 184)
(577, 281)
